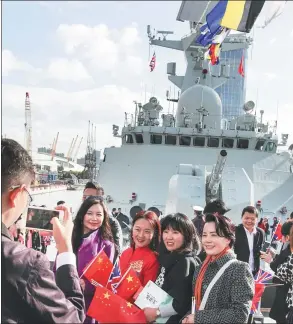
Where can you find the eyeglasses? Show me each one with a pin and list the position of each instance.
(94, 197)
(29, 196)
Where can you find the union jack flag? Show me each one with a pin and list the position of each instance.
(261, 278)
(153, 62)
(115, 277)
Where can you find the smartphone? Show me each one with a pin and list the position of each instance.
(40, 218)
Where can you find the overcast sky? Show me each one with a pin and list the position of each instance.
(85, 61)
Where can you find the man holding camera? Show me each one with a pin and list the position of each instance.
(31, 293)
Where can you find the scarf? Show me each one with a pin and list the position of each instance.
(202, 271)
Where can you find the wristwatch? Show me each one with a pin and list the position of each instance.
(158, 313)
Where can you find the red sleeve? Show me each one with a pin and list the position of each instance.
(124, 259)
(150, 271)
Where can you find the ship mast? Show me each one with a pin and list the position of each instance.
(28, 124)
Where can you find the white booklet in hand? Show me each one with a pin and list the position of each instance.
(153, 296)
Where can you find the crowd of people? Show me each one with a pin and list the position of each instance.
(207, 259)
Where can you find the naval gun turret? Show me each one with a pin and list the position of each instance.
(213, 184)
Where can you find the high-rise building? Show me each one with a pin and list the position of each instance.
(232, 93)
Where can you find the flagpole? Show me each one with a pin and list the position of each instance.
(125, 274)
(91, 262)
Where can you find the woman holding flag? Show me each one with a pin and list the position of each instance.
(285, 273)
(279, 308)
(91, 234)
(223, 286)
(142, 254)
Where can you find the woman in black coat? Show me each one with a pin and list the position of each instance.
(177, 264)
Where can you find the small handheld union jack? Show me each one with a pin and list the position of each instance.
(153, 62)
(261, 278)
(115, 277)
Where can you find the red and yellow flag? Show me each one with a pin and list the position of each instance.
(107, 307)
(99, 269)
(128, 285)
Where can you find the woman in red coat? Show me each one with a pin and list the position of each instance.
(142, 255)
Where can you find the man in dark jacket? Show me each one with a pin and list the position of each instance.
(91, 189)
(122, 219)
(31, 293)
(198, 220)
(249, 239)
(279, 308)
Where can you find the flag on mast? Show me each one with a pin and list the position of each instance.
(240, 67)
(152, 64)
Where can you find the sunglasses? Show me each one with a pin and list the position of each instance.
(95, 197)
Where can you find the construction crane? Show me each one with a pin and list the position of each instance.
(28, 124)
(69, 151)
(53, 153)
(90, 166)
(73, 147)
(77, 150)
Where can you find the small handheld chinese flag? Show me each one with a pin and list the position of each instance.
(278, 233)
(107, 307)
(99, 269)
(128, 285)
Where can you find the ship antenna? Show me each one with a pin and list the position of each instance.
(277, 115)
(256, 102)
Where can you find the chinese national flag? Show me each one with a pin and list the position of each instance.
(128, 285)
(278, 233)
(99, 269)
(240, 67)
(107, 307)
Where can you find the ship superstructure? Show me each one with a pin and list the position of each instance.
(157, 146)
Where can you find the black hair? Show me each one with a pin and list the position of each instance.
(90, 185)
(250, 210)
(216, 206)
(77, 233)
(60, 202)
(181, 223)
(224, 227)
(291, 215)
(286, 227)
(16, 164)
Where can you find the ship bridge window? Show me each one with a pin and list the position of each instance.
(259, 145)
(270, 147)
(213, 142)
(185, 140)
(199, 141)
(156, 139)
(242, 143)
(228, 142)
(170, 139)
(129, 139)
(139, 138)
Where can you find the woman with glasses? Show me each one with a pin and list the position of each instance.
(91, 233)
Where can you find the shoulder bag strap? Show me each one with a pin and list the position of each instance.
(212, 283)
